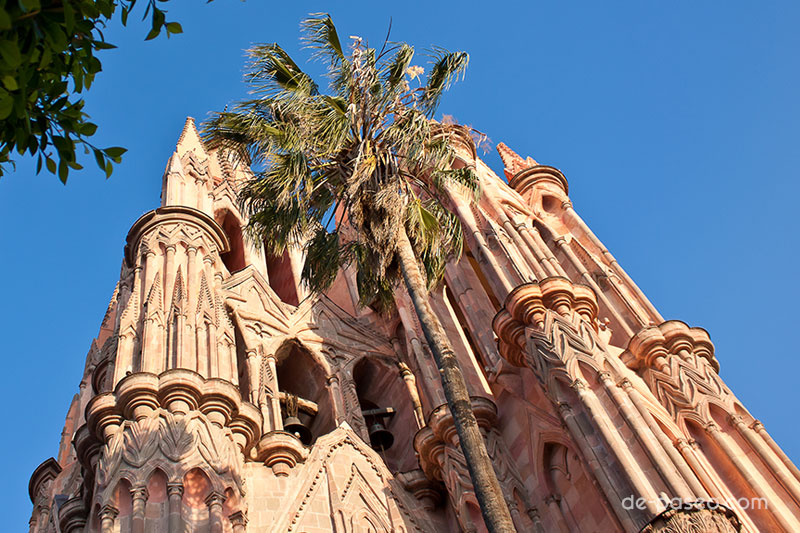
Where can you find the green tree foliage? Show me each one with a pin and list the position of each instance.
(48, 57)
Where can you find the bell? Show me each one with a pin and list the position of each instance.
(294, 426)
(379, 437)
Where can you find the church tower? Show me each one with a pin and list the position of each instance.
(220, 396)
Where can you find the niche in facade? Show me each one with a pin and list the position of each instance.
(380, 388)
(301, 377)
(234, 258)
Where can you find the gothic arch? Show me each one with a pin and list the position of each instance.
(378, 385)
(303, 373)
(156, 511)
(234, 258)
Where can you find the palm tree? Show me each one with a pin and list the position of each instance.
(357, 176)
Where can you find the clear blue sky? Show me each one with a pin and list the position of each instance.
(676, 124)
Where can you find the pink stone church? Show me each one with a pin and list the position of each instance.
(220, 396)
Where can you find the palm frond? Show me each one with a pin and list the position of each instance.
(319, 34)
(447, 66)
(396, 69)
(272, 70)
(323, 260)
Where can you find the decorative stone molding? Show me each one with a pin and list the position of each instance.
(441, 458)
(537, 176)
(42, 479)
(72, 515)
(281, 451)
(677, 362)
(527, 306)
(549, 326)
(668, 338)
(174, 214)
(358, 484)
(87, 449)
(695, 517)
(426, 491)
(174, 444)
(430, 441)
(179, 392)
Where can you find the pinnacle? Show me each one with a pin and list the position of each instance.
(190, 139)
(512, 161)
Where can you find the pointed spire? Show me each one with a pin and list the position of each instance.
(222, 316)
(190, 140)
(512, 161)
(205, 302)
(179, 292)
(155, 298)
(186, 179)
(112, 306)
(130, 315)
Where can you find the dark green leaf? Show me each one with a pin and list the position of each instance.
(10, 82)
(63, 171)
(174, 27)
(9, 51)
(6, 105)
(88, 129)
(115, 152)
(29, 5)
(5, 20)
(100, 159)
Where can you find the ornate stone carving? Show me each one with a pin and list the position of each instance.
(678, 364)
(173, 443)
(361, 492)
(441, 458)
(280, 451)
(696, 517)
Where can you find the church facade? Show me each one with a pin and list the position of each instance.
(220, 396)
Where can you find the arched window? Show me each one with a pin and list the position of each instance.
(233, 259)
(301, 377)
(383, 397)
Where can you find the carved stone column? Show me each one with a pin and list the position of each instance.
(214, 502)
(411, 385)
(763, 451)
(648, 441)
(336, 394)
(238, 521)
(776, 506)
(615, 444)
(688, 475)
(139, 498)
(553, 503)
(108, 515)
(175, 499)
(271, 387)
(758, 427)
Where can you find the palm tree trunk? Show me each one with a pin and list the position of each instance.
(484, 480)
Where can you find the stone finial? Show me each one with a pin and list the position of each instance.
(527, 304)
(672, 337)
(44, 474)
(190, 139)
(280, 451)
(513, 162)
